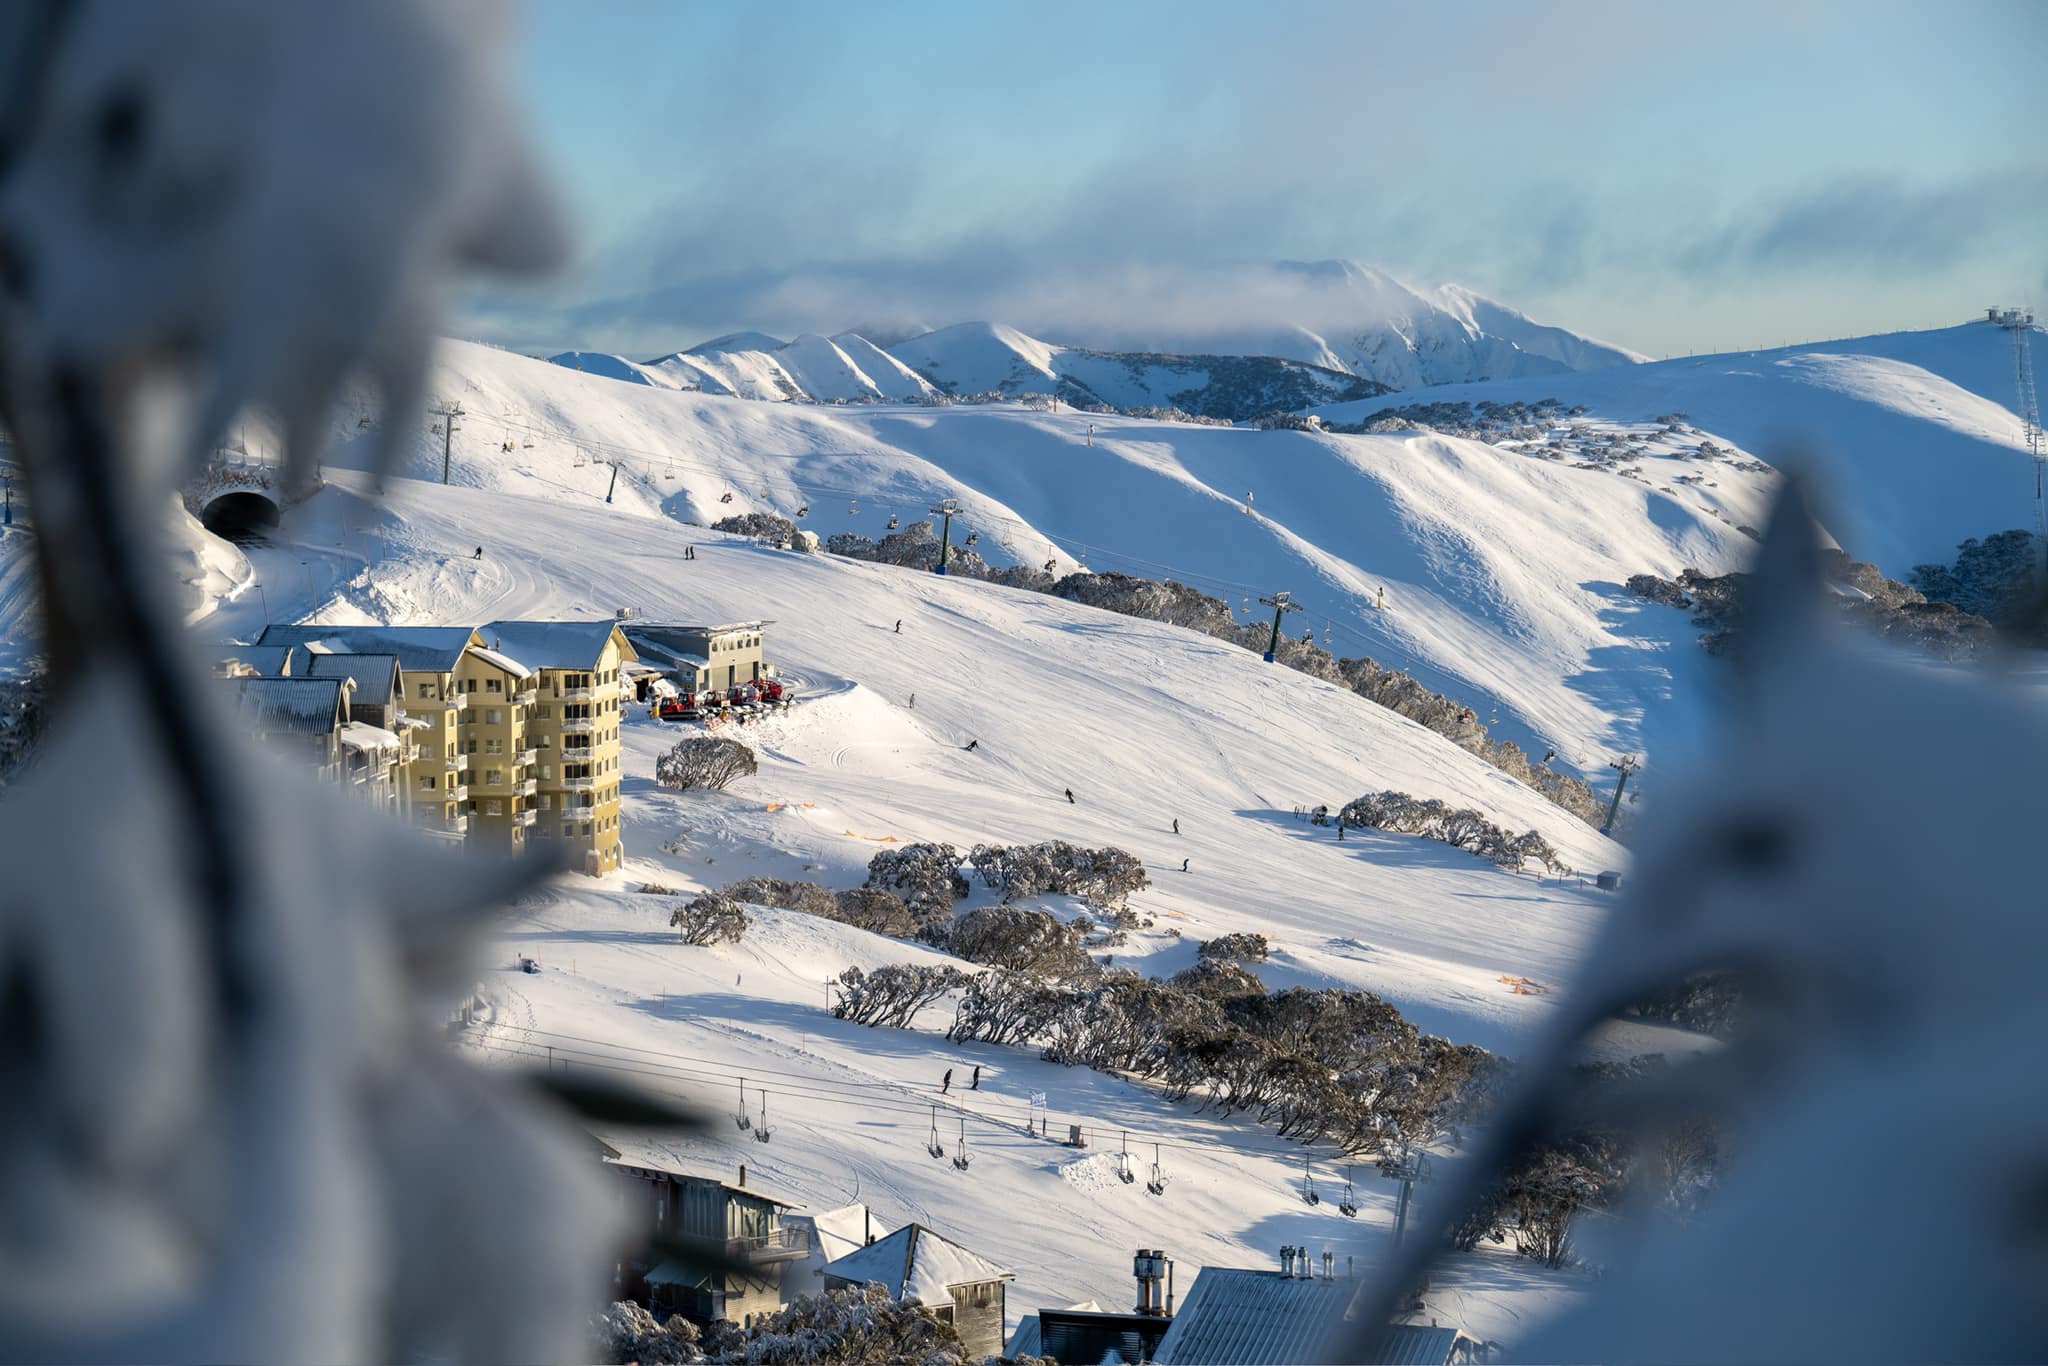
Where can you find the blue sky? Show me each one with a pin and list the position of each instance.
(1667, 177)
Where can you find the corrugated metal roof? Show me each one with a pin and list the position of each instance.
(1234, 1317)
(309, 706)
(552, 644)
(1412, 1345)
(420, 649)
(1023, 1342)
(272, 660)
(375, 674)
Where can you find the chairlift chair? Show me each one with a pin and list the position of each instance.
(960, 1159)
(892, 521)
(1308, 1182)
(1123, 1162)
(741, 1118)
(1349, 1207)
(932, 1145)
(803, 510)
(1157, 1185)
(853, 508)
(762, 1132)
(725, 497)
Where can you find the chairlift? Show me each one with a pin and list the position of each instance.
(505, 446)
(1157, 1185)
(725, 497)
(1326, 637)
(932, 1145)
(1123, 1162)
(892, 521)
(362, 421)
(1349, 1208)
(580, 460)
(973, 538)
(1308, 1182)
(803, 510)
(960, 1159)
(741, 1118)
(853, 508)
(761, 1131)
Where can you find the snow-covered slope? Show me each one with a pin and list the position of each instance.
(1914, 433)
(1502, 570)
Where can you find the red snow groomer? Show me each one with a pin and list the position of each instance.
(683, 706)
(771, 689)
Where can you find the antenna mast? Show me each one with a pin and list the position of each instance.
(2020, 323)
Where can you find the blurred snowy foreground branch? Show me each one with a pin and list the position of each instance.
(1864, 857)
(227, 1135)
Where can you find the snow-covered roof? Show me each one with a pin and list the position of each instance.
(420, 649)
(916, 1265)
(305, 705)
(375, 674)
(626, 1149)
(553, 644)
(1237, 1317)
(502, 660)
(357, 735)
(275, 661)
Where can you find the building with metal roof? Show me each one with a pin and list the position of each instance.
(1239, 1317)
(918, 1266)
(420, 649)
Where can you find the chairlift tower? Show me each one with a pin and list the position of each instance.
(2020, 323)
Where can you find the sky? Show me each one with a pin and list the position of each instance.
(1667, 177)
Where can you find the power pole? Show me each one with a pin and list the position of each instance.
(1625, 765)
(2020, 323)
(447, 416)
(946, 508)
(1282, 604)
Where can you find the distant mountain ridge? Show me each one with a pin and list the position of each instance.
(1371, 334)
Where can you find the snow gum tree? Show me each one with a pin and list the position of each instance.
(704, 761)
(713, 918)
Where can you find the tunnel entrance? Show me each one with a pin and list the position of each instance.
(240, 516)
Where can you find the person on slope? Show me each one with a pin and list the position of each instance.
(947, 1084)
(1070, 797)
(899, 626)
(1183, 865)
(975, 1085)
(973, 745)
(479, 553)
(1176, 825)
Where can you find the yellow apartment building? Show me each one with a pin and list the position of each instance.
(573, 729)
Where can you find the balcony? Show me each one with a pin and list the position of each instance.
(580, 784)
(527, 693)
(525, 758)
(781, 1245)
(526, 787)
(454, 763)
(578, 725)
(576, 694)
(459, 792)
(528, 817)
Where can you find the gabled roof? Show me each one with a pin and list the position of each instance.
(273, 661)
(375, 674)
(1234, 1317)
(420, 649)
(309, 706)
(619, 1149)
(916, 1265)
(555, 644)
(502, 661)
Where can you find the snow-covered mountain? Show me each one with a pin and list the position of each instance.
(1351, 317)
(980, 358)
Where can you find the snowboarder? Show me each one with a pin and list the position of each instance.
(1070, 797)
(1176, 825)
(479, 553)
(973, 745)
(947, 1084)
(1183, 865)
(975, 1085)
(899, 626)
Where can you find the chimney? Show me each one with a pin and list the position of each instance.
(1329, 1260)
(1169, 1289)
(1287, 1261)
(867, 1225)
(1350, 1271)
(1147, 1265)
(743, 1175)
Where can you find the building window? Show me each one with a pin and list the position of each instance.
(544, 710)
(494, 685)
(426, 691)
(494, 746)
(494, 778)
(428, 783)
(494, 807)
(494, 716)
(546, 801)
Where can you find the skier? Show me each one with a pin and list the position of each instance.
(913, 701)
(947, 1084)
(479, 553)
(1183, 865)
(1176, 825)
(973, 745)
(1070, 797)
(899, 626)
(1340, 832)
(975, 1085)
